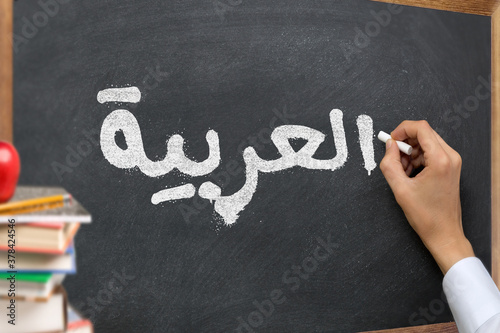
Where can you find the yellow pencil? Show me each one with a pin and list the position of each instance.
(33, 205)
(31, 209)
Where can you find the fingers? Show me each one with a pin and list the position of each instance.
(444, 145)
(455, 159)
(428, 147)
(409, 170)
(419, 130)
(392, 167)
(417, 157)
(407, 164)
(405, 160)
(412, 142)
(418, 161)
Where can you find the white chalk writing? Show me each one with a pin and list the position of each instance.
(228, 207)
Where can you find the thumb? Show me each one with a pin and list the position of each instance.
(391, 165)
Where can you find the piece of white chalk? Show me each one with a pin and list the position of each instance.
(404, 147)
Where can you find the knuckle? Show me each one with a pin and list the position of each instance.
(424, 123)
(407, 123)
(443, 162)
(384, 165)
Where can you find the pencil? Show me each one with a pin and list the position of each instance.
(33, 205)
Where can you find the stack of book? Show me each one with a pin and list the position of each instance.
(37, 230)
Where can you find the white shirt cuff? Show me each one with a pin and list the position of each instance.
(471, 293)
(491, 326)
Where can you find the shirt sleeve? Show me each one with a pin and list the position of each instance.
(473, 297)
(491, 326)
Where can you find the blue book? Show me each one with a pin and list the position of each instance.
(41, 263)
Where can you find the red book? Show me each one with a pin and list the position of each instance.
(77, 324)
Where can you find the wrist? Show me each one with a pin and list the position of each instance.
(449, 253)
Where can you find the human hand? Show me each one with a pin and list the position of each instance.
(431, 199)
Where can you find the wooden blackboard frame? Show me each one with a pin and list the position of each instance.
(6, 70)
(479, 7)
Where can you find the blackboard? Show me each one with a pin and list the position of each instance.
(242, 69)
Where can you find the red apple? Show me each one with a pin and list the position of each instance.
(10, 167)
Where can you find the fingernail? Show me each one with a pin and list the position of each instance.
(389, 143)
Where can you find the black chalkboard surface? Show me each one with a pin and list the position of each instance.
(316, 249)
